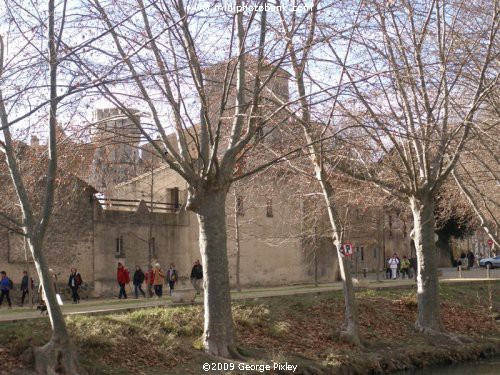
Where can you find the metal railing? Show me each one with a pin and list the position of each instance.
(133, 204)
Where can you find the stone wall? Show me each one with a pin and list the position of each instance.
(271, 247)
(170, 231)
(68, 242)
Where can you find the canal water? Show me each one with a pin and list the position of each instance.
(484, 367)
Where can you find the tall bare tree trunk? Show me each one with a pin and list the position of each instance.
(350, 330)
(218, 335)
(428, 315)
(237, 240)
(59, 355)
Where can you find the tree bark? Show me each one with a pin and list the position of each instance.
(350, 329)
(218, 335)
(59, 355)
(428, 315)
(238, 244)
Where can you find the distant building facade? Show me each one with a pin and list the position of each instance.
(131, 211)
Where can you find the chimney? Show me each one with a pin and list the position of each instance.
(34, 142)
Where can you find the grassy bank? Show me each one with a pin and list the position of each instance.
(301, 330)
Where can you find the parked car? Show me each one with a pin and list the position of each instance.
(493, 262)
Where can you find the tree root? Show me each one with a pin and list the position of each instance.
(235, 353)
(350, 338)
(53, 359)
(460, 339)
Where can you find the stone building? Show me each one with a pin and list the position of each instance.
(116, 142)
(136, 213)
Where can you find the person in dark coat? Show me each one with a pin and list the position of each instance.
(138, 280)
(74, 282)
(123, 278)
(24, 286)
(471, 258)
(171, 277)
(5, 287)
(388, 271)
(197, 276)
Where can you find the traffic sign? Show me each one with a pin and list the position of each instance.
(347, 248)
(490, 243)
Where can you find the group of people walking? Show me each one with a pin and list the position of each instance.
(396, 267)
(28, 285)
(155, 279)
(466, 260)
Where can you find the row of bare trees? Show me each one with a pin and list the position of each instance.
(389, 94)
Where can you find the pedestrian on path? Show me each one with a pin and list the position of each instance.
(149, 279)
(74, 282)
(5, 286)
(405, 267)
(53, 276)
(138, 280)
(394, 265)
(464, 261)
(24, 286)
(123, 278)
(171, 278)
(158, 280)
(399, 262)
(388, 271)
(470, 258)
(197, 276)
(41, 292)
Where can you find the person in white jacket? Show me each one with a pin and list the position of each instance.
(393, 265)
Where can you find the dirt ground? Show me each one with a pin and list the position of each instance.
(297, 330)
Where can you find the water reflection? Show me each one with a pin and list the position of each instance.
(485, 367)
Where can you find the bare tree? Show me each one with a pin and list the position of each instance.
(477, 173)
(162, 53)
(59, 354)
(40, 86)
(417, 79)
(313, 133)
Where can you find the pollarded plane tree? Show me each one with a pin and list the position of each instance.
(37, 80)
(418, 75)
(207, 113)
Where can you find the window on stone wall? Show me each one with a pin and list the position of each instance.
(239, 206)
(374, 253)
(269, 207)
(119, 247)
(175, 197)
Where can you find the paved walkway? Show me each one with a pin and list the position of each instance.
(104, 306)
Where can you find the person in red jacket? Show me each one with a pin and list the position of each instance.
(150, 275)
(123, 278)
